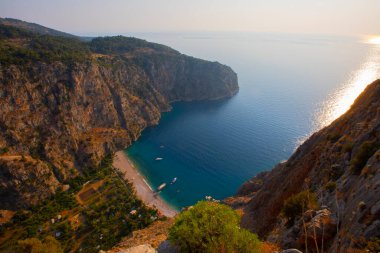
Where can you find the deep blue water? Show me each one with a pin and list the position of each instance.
(213, 147)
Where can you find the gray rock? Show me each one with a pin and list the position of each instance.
(167, 247)
(291, 251)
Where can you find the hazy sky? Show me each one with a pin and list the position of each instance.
(348, 17)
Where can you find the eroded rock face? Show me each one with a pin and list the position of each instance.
(26, 180)
(69, 115)
(341, 164)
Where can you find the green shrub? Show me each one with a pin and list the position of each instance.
(373, 245)
(20, 216)
(212, 227)
(3, 150)
(333, 137)
(334, 172)
(330, 186)
(347, 147)
(366, 150)
(296, 204)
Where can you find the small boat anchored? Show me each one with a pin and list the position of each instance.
(174, 180)
(162, 186)
(159, 158)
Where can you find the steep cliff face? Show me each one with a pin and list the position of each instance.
(67, 103)
(340, 166)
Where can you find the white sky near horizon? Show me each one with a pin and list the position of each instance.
(97, 17)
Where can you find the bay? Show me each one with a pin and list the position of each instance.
(290, 86)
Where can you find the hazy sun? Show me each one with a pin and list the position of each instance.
(374, 40)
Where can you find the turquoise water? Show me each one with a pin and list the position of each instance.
(286, 83)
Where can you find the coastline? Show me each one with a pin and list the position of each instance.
(143, 191)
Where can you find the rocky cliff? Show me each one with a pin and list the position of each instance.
(65, 103)
(326, 197)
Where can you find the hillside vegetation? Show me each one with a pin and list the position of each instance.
(97, 210)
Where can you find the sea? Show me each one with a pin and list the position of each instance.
(291, 85)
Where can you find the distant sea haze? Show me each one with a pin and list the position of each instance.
(290, 86)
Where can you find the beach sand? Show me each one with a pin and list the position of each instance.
(143, 190)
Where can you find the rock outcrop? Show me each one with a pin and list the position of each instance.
(155, 235)
(341, 165)
(66, 103)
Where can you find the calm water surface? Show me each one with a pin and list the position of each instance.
(290, 86)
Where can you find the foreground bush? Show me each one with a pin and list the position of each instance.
(212, 227)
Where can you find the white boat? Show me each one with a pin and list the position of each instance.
(159, 158)
(161, 187)
(174, 180)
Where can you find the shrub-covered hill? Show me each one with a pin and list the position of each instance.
(66, 103)
(93, 214)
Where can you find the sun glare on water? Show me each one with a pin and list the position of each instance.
(374, 40)
(342, 99)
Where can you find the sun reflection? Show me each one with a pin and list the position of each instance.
(374, 40)
(342, 99)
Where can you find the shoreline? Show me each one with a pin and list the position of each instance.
(143, 190)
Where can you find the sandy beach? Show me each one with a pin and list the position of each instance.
(143, 190)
